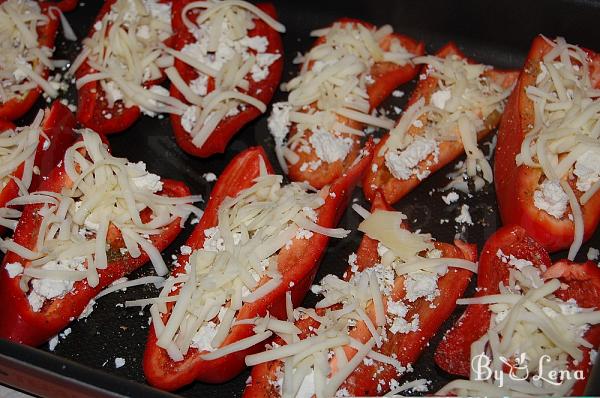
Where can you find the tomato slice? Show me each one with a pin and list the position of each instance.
(515, 186)
(379, 177)
(263, 90)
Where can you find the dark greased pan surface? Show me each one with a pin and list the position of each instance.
(494, 32)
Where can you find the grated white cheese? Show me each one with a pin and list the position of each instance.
(24, 62)
(238, 264)
(464, 217)
(72, 240)
(329, 96)
(126, 54)
(563, 140)
(224, 54)
(530, 326)
(319, 362)
(465, 99)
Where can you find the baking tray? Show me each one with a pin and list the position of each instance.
(494, 32)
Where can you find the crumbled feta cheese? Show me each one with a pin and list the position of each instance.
(279, 120)
(46, 289)
(119, 362)
(587, 170)
(464, 217)
(404, 164)
(14, 269)
(143, 32)
(189, 118)
(328, 147)
(199, 85)
(185, 250)
(421, 284)
(551, 198)
(204, 336)
(53, 343)
(210, 177)
(440, 97)
(260, 69)
(450, 198)
(397, 93)
(142, 179)
(401, 325)
(593, 254)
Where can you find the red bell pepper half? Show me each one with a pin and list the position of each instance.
(92, 106)
(379, 177)
(18, 106)
(297, 264)
(515, 185)
(582, 284)
(18, 322)
(263, 90)
(58, 127)
(406, 346)
(65, 5)
(386, 77)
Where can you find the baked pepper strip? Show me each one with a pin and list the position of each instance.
(20, 323)
(382, 79)
(297, 264)
(57, 127)
(379, 176)
(16, 107)
(405, 347)
(509, 247)
(528, 197)
(93, 110)
(65, 5)
(262, 90)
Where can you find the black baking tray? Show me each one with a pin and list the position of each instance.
(494, 32)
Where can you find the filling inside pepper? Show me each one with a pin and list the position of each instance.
(237, 264)
(329, 98)
(23, 60)
(110, 209)
(351, 324)
(465, 97)
(532, 339)
(126, 54)
(564, 141)
(226, 60)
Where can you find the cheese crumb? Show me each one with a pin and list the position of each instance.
(464, 217)
(551, 198)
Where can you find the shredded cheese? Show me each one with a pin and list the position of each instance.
(564, 141)
(107, 194)
(329, 97)
(24, 62)
(532, 330)
(126, 55)
(237, 264)
(225, 56)
(465, 98)
(328, 352)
